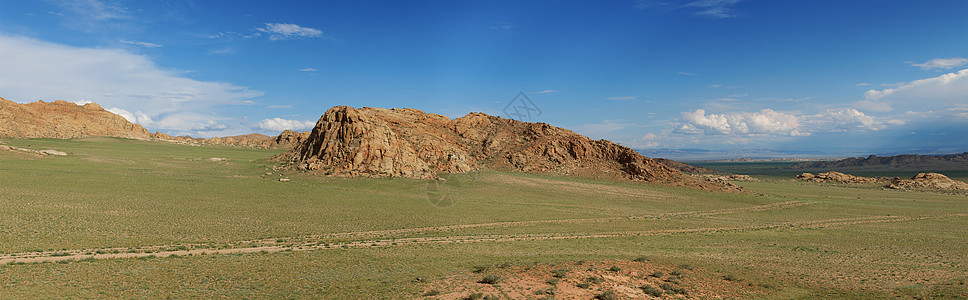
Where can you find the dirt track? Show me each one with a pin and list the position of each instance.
(382, 238)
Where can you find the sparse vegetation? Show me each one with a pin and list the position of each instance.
(651, 290)
(559, 273)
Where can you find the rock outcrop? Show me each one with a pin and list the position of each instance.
(63, 120)
(836, 177)
(929, 181)
(377, 142)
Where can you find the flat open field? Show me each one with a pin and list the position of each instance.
(126, 218)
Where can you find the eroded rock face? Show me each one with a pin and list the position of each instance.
(63, 120)
(410, 143)
(930, 181)
(837, 177)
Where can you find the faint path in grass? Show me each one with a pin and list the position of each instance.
(278, 244)
(38, 257)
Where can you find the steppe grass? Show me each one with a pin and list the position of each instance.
(116, 193)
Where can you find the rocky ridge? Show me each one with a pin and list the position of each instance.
(377, 142)
(63, 120)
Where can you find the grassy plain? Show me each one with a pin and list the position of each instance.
(115, 195)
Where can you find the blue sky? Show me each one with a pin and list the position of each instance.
(825, 76)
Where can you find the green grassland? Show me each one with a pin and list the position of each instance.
(805, 240)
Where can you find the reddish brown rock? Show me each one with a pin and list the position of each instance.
(63, 120)
(378, 142)
(837, 177)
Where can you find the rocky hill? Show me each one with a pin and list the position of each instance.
(904, 162)
(63, 120)
(929, 181)
(377, 142)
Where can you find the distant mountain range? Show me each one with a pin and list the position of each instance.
(905, 161)
(753, 155)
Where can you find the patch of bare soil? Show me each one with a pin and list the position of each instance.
(603, 279)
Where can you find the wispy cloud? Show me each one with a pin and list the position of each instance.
(140, 43)
(503, 26)
(308, 70)
(547, 91)
(687, 73)
(280, 124)
(621, 98)
(222, 51)
(863, 84)
(278, 106)
(942, 63)
(94, 10)
(282, 31)
(55, 13)
(715, 9)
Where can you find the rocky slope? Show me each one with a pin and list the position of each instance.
(377, 142)
(906, 161)
(63, 120)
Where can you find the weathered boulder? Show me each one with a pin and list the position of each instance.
(929, 181)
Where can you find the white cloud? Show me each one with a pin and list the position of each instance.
(766, 122)
(280, 124)
(687, 73)
(621, 98)
(863, 84)
(139, 43)
(113, 78)
(547, 91)
(281, 31)
(846, 119)
(943, 63)
(278, 106)
(308, 70)
(944, 91)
